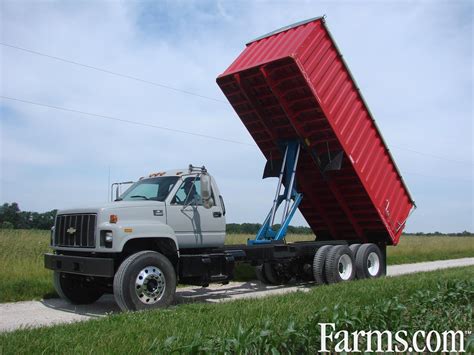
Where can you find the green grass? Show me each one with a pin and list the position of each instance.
(23, 277)
(436, 300)
(22, 274)
(418, 249)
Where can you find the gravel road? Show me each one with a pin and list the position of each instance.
(53, 311)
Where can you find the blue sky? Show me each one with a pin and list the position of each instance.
(412, 61)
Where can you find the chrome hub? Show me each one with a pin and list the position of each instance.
(150, 285)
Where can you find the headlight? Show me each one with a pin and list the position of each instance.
(108, 237)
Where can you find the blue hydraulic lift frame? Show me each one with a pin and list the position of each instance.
(287, 178)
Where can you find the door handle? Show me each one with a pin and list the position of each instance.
(217, 214)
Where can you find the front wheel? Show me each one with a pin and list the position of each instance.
(145, 280)
(76, 289)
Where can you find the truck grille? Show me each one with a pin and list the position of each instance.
(75, 230)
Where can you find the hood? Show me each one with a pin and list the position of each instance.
(112, 206)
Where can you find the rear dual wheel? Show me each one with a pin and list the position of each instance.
(333, 264)
(319, 265)
(341, 263)
(272, 274)
(261, 274)
(354, 248)
(370, 262)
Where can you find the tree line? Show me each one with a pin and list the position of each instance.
(11, 217)
(253, 228)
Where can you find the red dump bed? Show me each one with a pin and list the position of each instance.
(294, 84)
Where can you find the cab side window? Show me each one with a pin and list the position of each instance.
(189, 193)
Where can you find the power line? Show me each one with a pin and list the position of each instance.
(164, 86)
(127, 121)
(186, 132)
(167, 128)
(439, 177)
(433, 155)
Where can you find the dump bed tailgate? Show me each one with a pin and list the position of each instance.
(294, 84)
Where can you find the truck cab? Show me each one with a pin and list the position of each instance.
(164, 205)
(174, 198)
(138, 238)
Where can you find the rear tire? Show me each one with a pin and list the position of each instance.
(145, 280)
(76, 289)
(370, 262)
(340, 265)
(318, 265)
(260, 274)
(275, 274)
(354, 248)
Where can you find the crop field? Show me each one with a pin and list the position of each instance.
(286, 323)
(23, 277)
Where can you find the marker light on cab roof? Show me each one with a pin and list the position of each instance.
(161, 173)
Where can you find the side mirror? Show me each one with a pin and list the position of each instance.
(117, 191)
(206, 191)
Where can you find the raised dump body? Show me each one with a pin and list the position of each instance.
(294, 84)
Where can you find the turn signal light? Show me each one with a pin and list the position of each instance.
(113, 218)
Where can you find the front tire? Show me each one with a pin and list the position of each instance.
(76, 289)
(145, 280)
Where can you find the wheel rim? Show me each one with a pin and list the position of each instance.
(373, 264)
(344, 267)
(150, 285)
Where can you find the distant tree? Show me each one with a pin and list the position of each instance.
(253, 228)
(6, 225)
(244, 228)
(12, 217)
(10, 213)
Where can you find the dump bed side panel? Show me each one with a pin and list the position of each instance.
(351, 120)
(295, 85)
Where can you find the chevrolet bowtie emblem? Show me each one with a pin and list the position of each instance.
(71, 230)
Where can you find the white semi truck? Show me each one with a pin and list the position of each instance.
(295, 95)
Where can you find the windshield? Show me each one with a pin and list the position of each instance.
(156, 189)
